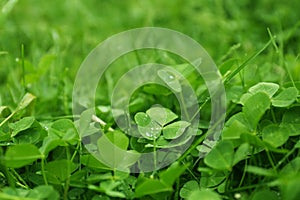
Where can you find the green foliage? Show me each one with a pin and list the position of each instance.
(21, 155)
(265, 193)
(175, 129)
(275, 135)
(268, 88)
(148, 186)
(255, 107)
(221, 157)
(157, 128)
(116, 157)
(205, 195)
(256, 50)
(40, 192)
(59, 170)
(188, 188)
(161, 115)
(170, 79)
(285, 98)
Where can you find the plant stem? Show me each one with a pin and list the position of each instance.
(24, 184)
(43, 170)
(8, 176)
(273, 115)
(23, 66)
(101, 122)
(247, 187)
(176, 195)
(76, 150)
(7, 118)
(154, 155)
(199, 109)
(236, 71)
(285, 157)
(245, 63)
(244, 174)
(192, 174)
(184, 107)
(67, 183)
(200, 139)
(271, 160)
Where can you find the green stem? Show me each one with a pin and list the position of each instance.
(273, 40)
(281, 56)
(43, 171)
(24, 184)
(235, 72)
(244, 174)
(271, 160)
(184, 107)
(199, 109)
(80, 153)
(7, 118)
(138, 57)
(176, 195)
(247, 187)
(273, 115)
(192, 174)
(245, 63)
(8, 176)
(154, 155)
(23, 66)
(194, 145)
(285, 157)
(67, 183)
(75, 152)
(57, 117)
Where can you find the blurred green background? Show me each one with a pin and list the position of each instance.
(58, 34)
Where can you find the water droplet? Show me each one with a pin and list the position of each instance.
(171, 77)
(149, 134)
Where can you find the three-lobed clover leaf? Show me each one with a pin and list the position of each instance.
(175, 129)
(152, 131)
(142, 119)
(158, 120)
(285, 98)
(161, 115)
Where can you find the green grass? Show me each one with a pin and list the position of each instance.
(255, 45)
